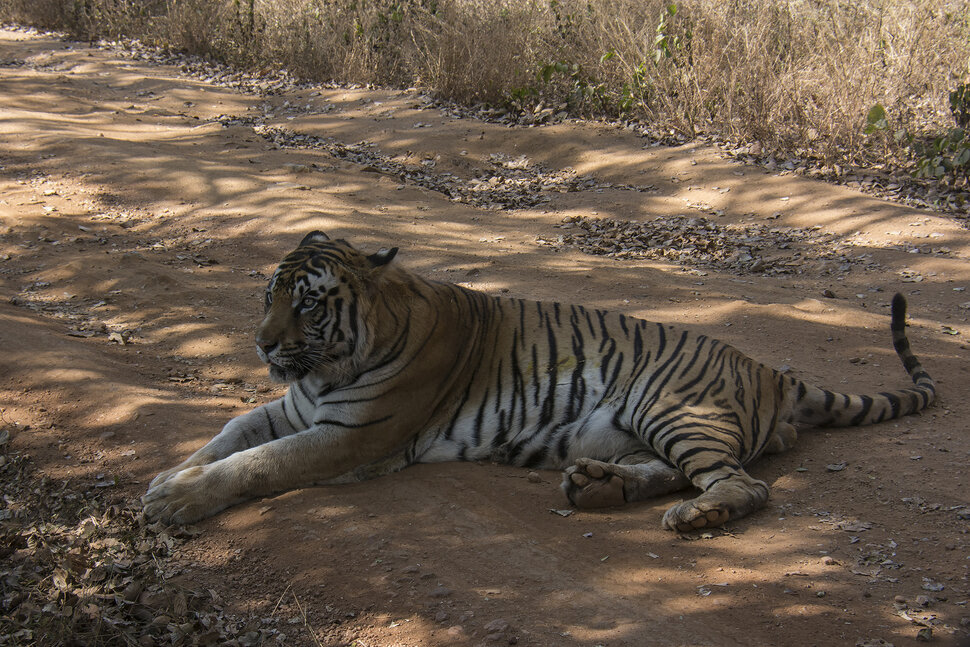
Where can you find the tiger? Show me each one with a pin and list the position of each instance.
(387, 369)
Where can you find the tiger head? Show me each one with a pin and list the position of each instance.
(315, 318)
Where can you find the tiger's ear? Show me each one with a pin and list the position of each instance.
(314, 237)
(382, 257)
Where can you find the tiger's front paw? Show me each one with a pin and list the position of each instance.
(182, 498)
(164, 476)
(199, 458)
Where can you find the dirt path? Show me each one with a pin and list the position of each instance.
(130, 212)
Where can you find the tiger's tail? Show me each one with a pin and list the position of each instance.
(822, 408)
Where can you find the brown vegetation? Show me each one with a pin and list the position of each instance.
(796, 76)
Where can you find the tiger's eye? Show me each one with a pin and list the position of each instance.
(308, 302)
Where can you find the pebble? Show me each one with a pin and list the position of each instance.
(534, 477)
(499, 624)
(440, 592)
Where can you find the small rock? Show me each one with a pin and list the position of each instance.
(456, 631)
(932, 585)
(828, 294)
(534, 477)
(440, 592)
(499, 624)
(441, 616)
(924, 635)
(828, 560)
(924, 600)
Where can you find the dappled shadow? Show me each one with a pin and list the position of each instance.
(129, 210)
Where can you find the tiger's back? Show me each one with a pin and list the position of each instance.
(388, 369)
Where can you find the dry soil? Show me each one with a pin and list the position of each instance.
(137, 230)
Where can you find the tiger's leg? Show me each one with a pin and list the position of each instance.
(261, 425)
(734, 495)
(597, 484)
(706, 448)
(319, 454)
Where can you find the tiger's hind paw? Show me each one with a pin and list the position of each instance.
(689, 516)
(593, 484)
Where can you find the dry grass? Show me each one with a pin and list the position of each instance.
(798, 76)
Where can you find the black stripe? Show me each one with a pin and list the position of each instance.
(712, 467)
(352, 425)
(296, 411)
(866, 406)
(479, 418)
(272, 427)
(894, 403)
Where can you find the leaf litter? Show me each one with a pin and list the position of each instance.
(701, 242)
(80, 566)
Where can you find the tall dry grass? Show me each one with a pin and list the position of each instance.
(798, 76)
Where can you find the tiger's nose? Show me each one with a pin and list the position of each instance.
(265, 345)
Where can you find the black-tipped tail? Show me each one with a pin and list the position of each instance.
(824, 408)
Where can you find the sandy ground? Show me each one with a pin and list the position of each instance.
(129, 213)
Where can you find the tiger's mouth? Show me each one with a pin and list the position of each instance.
(296, 367)
(285, 374)
(282, 369)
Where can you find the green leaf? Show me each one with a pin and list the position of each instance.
(607, 56)
(876, 113)
(962, 157)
